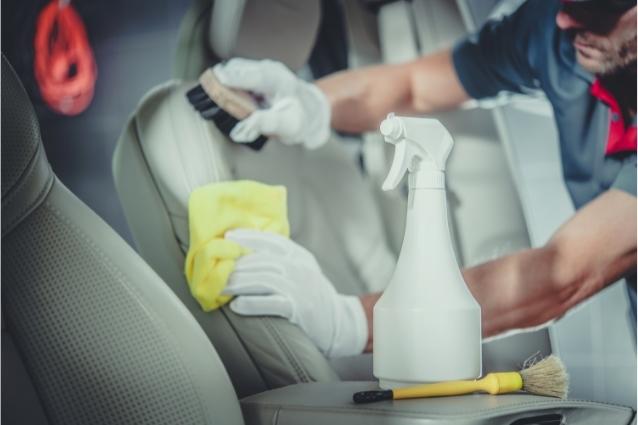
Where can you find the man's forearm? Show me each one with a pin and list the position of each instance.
(593, 249)
(520, 290)
(514, 291)
(361, 98)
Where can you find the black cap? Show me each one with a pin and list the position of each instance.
(609, 5)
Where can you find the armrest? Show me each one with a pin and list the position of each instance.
(331, 403)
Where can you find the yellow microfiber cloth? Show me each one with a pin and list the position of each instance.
(212, 211)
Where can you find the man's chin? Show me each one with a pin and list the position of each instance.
(592, 65)
(605, 68)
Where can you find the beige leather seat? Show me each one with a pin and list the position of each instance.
(167, 150)
(90, 334)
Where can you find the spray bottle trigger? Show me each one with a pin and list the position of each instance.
(399, 166)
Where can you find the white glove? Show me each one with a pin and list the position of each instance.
(281, 278)
(297, 113)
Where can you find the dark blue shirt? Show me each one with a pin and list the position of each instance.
(528, 51)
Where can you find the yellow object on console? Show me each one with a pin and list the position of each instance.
(212, 211)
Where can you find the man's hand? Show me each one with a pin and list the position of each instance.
(281, 278)
(297, 113)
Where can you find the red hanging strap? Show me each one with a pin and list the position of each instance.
(64, 66)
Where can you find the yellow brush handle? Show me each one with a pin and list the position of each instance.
(493, 383)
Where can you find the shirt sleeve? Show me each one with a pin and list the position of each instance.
(626, 178)
(500, 55)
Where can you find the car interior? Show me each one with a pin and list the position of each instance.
(100, 327)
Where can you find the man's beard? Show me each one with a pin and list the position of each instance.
(614, 59)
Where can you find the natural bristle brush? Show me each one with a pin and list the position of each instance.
(546, 377)
(222, 105)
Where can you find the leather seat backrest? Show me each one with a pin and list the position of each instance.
(164, 153)
(335, 210)
(90, 334)
(167, 150)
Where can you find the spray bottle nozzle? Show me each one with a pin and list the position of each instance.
(420, 144)
(391, 129)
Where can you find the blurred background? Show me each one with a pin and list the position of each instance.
(134, 47)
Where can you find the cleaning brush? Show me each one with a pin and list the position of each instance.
(222, 105)
(546, 377)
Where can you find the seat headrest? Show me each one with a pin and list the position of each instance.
(26, 174)
(283, 30)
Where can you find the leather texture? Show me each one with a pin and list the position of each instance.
(99, 336)
(321, 403)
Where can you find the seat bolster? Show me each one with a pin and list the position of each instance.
(157, 162)
(174, 140)
(76, 293)
(193, 54)
(26, 174)
(28, 192)
(281, 350)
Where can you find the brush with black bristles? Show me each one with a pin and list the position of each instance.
(546, 377)
(222, 105)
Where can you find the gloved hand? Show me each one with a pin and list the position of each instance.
(297, 113)
(281, 278)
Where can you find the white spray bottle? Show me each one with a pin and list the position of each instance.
(427, 324)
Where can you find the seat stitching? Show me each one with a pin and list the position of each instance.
(154, 182)
(25, 173)
(23, 178)
(31, 205)
(243, 344)
(302, 374)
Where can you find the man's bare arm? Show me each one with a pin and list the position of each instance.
(592, 250)
(361, 98)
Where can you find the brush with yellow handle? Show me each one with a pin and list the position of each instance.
(546, 377)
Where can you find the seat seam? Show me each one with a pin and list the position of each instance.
(204, 15)
(22, 181)
(42, 194)
(183, 163)
(302, 374)
(243, 344)
(29, 207)
(137, 141)
(544, 404)
(275, 418)
(405, 414)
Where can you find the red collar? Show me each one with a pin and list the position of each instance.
(621, 136)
